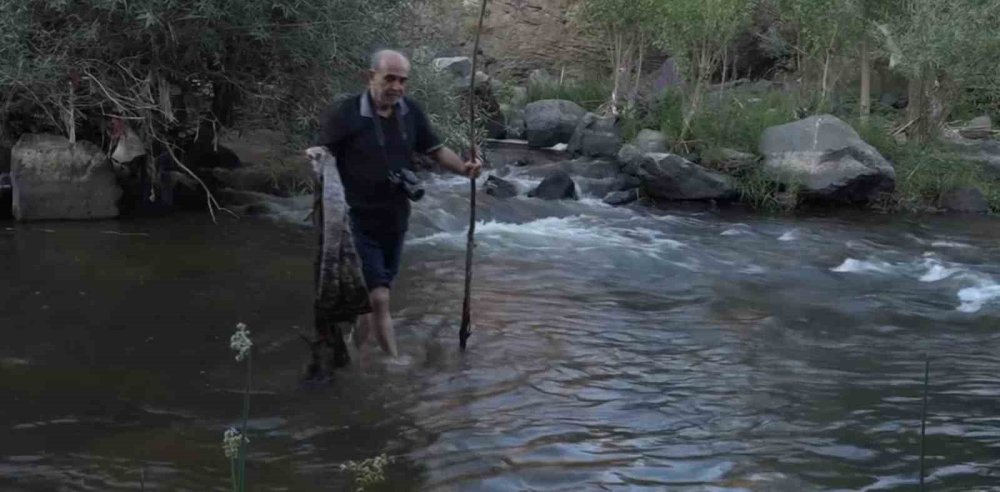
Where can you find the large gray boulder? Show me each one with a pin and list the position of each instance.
(978, 128)
(630, 157)
(671, 177)
(557, 186)
(986, 152)
(596, 137)
(458, 66)
(826, 160)
(551, 121)
(55, 179)
(964, 200)
(651, 141)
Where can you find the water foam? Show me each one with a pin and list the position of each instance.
(951, 244)
(852, 265)
(574, 233)
(974, 298)
(936, 271)
(792, 235)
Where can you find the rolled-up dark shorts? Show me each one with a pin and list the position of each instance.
(380, 256)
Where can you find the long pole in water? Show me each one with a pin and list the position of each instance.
(923, 418)
(465, 330)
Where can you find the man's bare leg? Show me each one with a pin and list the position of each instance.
(380, 321)
(361, 331)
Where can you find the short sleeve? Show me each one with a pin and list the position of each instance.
(427, 141)
(333, 127)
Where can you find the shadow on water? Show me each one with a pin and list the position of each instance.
(613, 349)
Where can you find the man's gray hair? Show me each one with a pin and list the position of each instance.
(375, 62)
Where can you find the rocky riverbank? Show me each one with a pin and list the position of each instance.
(814, 161)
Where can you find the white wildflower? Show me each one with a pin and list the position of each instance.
(240, 341)
(368, 472)
(231, 442)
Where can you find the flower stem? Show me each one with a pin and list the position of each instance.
(243, 428)
(232, 475)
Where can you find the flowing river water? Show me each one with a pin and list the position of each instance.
(613, 349)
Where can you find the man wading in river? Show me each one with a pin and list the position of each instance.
(374, 136)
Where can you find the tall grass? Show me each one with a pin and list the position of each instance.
(733, 119)
(590, 94)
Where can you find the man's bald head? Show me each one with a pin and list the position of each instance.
(391, 57)
(387, 77)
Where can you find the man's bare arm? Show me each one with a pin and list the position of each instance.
(452, 162)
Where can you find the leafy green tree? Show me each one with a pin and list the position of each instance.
(628, 27)
(697, 33)
(824, 29)
(945, 47)
(168, 65)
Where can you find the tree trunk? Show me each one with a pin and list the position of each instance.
(703, 74)
(616, 67)
(826, 70)
(71, 114)
(641, 48)
(941, 93)
(916, 108)
(866, 81)
(725, 66)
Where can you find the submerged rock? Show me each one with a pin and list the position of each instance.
(557, 186)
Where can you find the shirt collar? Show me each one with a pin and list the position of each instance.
(366, 106)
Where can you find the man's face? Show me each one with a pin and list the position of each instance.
(388, 83)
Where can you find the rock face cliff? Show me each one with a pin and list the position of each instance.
(518, 35)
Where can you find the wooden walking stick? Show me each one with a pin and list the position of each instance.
(465, 330)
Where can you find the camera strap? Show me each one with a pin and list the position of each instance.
(380, 134)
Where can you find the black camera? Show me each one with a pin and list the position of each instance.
(405, 179)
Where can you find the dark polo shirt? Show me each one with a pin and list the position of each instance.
(347, 129)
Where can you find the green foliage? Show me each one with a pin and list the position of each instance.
(959, 37)
(171, 63)
(627, 28)
(760, 192)
(924, 171)
(590, 94)
(733, 119)
(697, 31)
(620, 16)
(823, 26)
(635, 118)
(445, 105)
